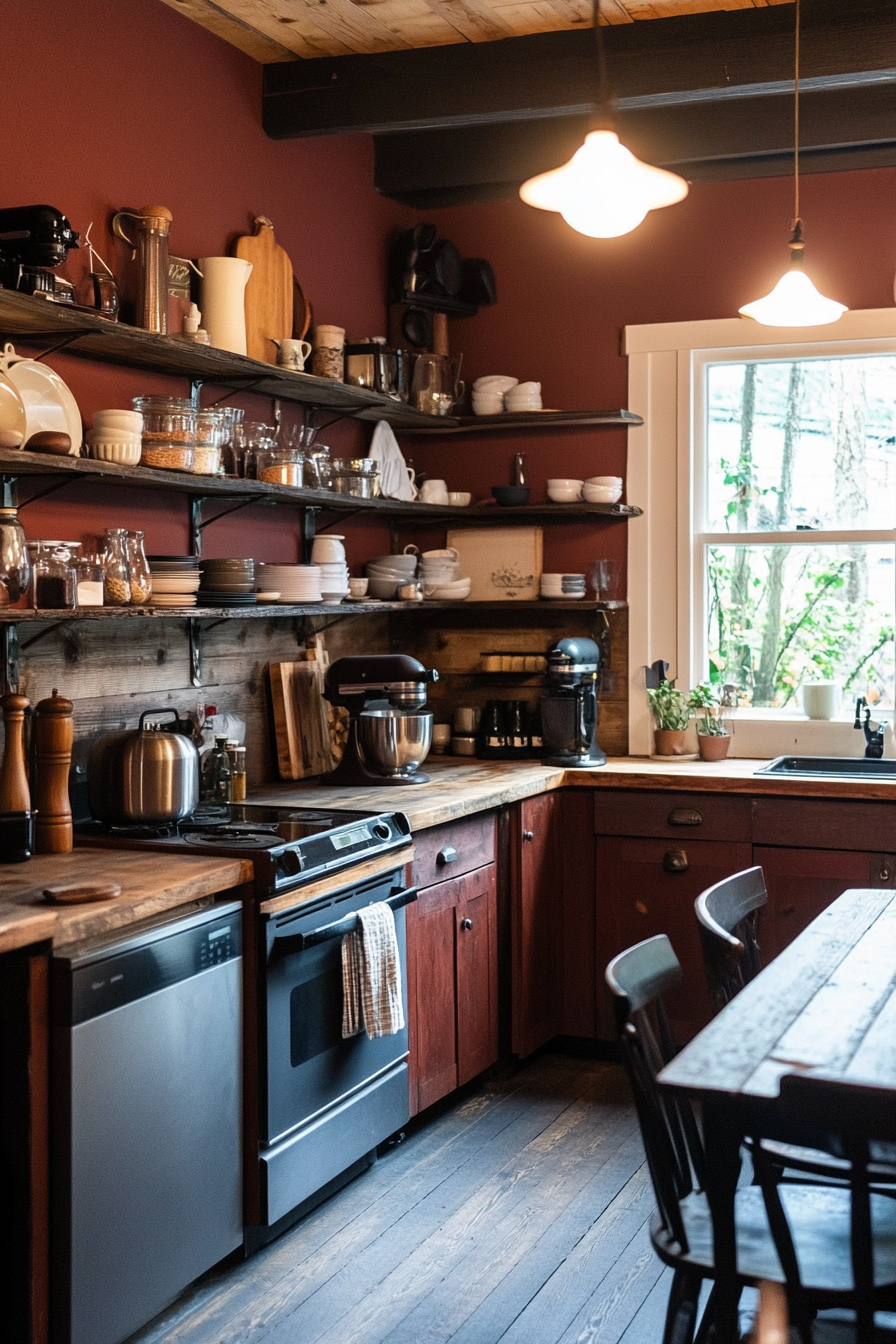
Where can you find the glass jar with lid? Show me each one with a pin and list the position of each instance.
(169, 432)
(212, 429)
(55, 576)
(90, 580)
(116, 569)
(279, 466)
(15, 563)
(138, 571)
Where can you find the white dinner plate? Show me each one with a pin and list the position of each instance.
(49, 405)
(12, 410)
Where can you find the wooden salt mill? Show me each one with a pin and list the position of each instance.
(53, 736)
(15, 795)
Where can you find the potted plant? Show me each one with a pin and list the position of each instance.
(713, 738)
(671, 712)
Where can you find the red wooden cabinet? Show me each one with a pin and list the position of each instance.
(536, 921)
(801, 883)
(452, 984)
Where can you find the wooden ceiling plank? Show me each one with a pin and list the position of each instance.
(475, 19)
(304, 37)
(415, 20)
(343, 21)
(238, 34)
(523, 17)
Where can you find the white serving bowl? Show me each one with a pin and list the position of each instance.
(602, 494)
(457, 591)
(488, 405)
(131, 421)
(327, 549)
(564, 491)
(495, 382)
(459, 499)
(126, 454)
(529, 404)
(604, 480)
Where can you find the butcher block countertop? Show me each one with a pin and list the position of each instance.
(460, 787)
(150, 884)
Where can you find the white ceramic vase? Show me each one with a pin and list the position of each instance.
(223, 301)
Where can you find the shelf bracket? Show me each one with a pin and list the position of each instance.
(10, 492)
(9, 651)
(194, 636)
(309, 529)
(198, 526)
(32, 338)
(41, 634)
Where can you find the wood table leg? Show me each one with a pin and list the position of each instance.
(722, 1139)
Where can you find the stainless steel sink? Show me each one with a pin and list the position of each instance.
(828, 767)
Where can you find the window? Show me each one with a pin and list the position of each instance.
(766, 556)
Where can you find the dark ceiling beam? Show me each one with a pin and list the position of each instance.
(717, 57)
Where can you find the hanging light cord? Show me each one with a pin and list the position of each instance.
(603, 103)
(796, 235)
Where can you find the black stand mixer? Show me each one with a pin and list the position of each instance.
(388, 737)
(569, 705)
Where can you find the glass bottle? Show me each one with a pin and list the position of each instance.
(138, 570)
(217, 780)
(15, 566)
(151, 226)
(116, 570)
(237, 756)
(55, 579)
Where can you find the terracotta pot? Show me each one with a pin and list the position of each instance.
(713, 748)
(670, 741)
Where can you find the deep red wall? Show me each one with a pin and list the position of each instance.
(563, 300)
(122, 103)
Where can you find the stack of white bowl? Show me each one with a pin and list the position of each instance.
(565, 587)
(294, 583)
(386, 572)
(116, 437)
(602, 489)
(488, 393)
(328, 553)
(523, 397)
(441, 580)
(175, 580)
(564, 489)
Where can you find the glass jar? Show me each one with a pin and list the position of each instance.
(15, 565)
(138, 570)
(257, 438)
(280, 466)
(55, 578)
(116, 569)
(232, 447)
(216, 774)
(90, 581)
(212, 429)
(169, 432)
(237, 755)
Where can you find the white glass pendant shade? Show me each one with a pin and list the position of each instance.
(604, 191)
(794, 302)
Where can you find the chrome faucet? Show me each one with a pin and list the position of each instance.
(874, 739)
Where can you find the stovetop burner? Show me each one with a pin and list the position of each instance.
(235, 837)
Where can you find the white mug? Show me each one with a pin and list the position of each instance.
(434, 492)
(291, 354)
(821, 699)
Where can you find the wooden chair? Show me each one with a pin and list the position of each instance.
(681, 1230)
(726, 913)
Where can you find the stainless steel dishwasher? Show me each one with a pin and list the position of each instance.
(146, 1184)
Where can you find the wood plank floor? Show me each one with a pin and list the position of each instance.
(518, 1214)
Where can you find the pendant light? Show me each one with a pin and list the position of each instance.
(604, 191)
(794, 301)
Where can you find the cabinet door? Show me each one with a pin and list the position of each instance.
(477, 973)
(537, 919)
(433, 1029)
(803, 882)
(646, 887)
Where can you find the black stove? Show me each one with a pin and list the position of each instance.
(289, 846)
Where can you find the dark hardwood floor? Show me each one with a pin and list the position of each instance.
(517, 1214)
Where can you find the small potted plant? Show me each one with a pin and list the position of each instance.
(671, 711)
(713, 738)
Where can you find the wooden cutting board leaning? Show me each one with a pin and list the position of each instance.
(269, 291)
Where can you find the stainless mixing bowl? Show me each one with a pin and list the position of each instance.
(394, 743)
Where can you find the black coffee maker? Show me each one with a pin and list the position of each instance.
(32, 238)
(569, 705)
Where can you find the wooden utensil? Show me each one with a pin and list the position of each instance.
(269, 292)
(79, 893)
(300, 719)
(15, 796)
(53, 736)
(301, 312)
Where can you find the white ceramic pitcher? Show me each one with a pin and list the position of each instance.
(223, 301)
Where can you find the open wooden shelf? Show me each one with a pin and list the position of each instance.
(25, 615)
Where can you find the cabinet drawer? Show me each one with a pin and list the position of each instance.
(816, 823)
(673, 816)
(457, 847)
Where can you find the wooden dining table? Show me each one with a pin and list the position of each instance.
(827, 1002)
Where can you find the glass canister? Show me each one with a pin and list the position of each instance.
(90, 581)
(237, 755)
(55, 577)
(116, 569)
(279, 466)
(212, 429)
(15, 565)
(169, 432)
(151, 227)
(232, 447)
(138, 570)
(257, 438)
(216, 774)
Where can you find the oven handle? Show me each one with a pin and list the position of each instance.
(286, 941)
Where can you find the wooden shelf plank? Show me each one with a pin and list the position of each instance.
(267, 610)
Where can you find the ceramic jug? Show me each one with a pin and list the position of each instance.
(223, 301)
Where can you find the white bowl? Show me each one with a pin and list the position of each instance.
(267, 596)
(604, 480)
(459, 499)
(495, 382)
(531, 389)
(488, 406)
(564, 494)
(358, 587)
(127, 454)
(602, 494)
(457, 591)
(128, 420)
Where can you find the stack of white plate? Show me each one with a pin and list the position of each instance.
(294, 583)
(175, 580)
(333, 580)
(566, 587)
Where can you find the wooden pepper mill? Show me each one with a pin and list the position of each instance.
(53, 735)
(16, 835)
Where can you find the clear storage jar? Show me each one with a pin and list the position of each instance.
(169, 432)
(139, 574)
(212, 431)
(116, 569)
(55, 576)
(280, 466)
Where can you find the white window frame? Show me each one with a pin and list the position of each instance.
(665, 388)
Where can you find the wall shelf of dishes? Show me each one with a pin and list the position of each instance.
(51, 325)
(29, 615)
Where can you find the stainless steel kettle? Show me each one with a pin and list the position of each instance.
(149, 774)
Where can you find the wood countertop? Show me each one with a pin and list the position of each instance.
(150, 883)
(459, 788)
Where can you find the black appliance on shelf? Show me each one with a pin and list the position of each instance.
(33, 238)
(569, 705)
(379, 682)
(321, 1105)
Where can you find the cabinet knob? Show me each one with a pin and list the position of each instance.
(466, 924)
(528, 835)
(675, 861)
(447, 854)
(641, 908)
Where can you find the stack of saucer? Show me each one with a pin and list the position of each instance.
(333, 580)
(566, 587)
(294, 583)
(175, 580)
(227, 583)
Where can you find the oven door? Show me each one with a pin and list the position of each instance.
(309, 1066)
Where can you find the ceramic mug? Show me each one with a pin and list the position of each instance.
(433, 492)
(821, 699)
(291, 354)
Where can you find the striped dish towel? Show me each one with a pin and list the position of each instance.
(371, 975)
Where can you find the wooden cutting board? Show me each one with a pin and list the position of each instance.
(301, 723)
(269, 292)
